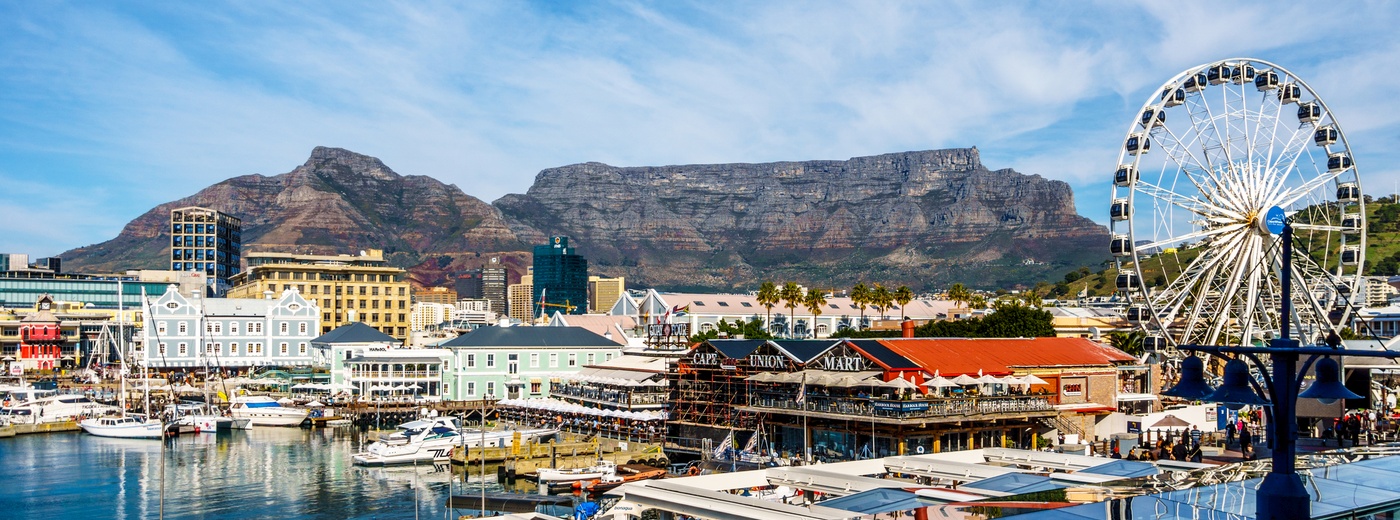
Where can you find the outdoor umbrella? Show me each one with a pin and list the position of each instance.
(965, 380)
(315, 404)
(940, 382)
(284, 400)
(900, 383)
(761, 377)
(1032, 380)
(1171, 421)
(846, 382)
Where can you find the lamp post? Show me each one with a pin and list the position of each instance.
(1281, 495)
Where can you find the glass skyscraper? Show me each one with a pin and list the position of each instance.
(206, 240)
(561, 279)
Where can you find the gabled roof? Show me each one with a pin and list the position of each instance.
(531, 337)
(599, 324)
(997, 356)
(624, 306)
(355, 333)
(804, 350)
(735, 348)
(653, 304)
(883, 355)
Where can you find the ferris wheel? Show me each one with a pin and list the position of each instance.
(1213, 163)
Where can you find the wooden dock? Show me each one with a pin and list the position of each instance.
(25, 429)
(526, 459)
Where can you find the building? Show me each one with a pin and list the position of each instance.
(1378, 291)
(517, 362)
(235, 333)
(427, 315)
(41, 338)
(207, 241)
(604, 292)
(334, 351)
(347, 288)
(22, 289)
(494, 280)
(521, 308)
(445, 295)
(561, 278)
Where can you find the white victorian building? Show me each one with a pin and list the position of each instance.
(225, 333)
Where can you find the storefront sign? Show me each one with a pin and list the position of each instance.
(902, 406)
(767, 361)
(706, 358)
(1134, 426)
(1074, 389)
(843, 363)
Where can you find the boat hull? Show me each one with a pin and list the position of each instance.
(146, 430)
(268, 417)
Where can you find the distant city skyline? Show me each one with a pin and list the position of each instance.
(112, 109)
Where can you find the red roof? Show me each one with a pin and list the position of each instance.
(995, 356)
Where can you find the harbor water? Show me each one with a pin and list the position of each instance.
(286, 473)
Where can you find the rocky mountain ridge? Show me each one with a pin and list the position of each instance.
(924, 219)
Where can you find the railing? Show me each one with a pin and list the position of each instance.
(611, 396)
(905, 409)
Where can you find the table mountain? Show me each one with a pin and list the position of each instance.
(924, 219)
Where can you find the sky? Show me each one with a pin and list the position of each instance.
(108, 109)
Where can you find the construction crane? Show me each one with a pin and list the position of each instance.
(568, 309)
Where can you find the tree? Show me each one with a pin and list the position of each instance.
(1012, 319)
(814, 302)
(903, 295)
(881, 298)
(978, 301)
(752, 329)
(791, 295)
(768, 297)
(1130, 342)
(860, 296)
(959, 294)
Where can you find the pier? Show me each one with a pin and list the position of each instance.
(527, 458)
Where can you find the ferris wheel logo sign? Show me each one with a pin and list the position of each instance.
(1273, 220)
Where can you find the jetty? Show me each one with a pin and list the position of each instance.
(525, 458)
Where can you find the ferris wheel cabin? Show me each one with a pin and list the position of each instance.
(1120, 210)
(1348, 192)
(1153, 117)
(1267, 80)
(1154, 344)
(1218, 74)
(1326, 135)
(1351, 223)
(1120, 245)
(1171, 98)
(1309, 112)
(1127, 282)
(1138, 144)
(1338, 162)
(1125, 176)
(1138, 314)
(1289, 93)
(1196, 83)
(1351, 255)
(1242, 74)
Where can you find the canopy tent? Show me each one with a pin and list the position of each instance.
(285, 400)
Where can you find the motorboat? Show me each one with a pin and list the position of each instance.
(262, 410)
(55, 408)
(432, 443)
(595, 472)
(474, 438)
(209, 423)
(126, 426)
(405, 430)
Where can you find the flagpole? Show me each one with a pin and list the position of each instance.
(806, 435)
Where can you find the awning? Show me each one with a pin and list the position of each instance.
(1136, 397)
(1085, 408)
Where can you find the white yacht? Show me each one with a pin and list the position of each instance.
(56, 408)
(130, 426)
(597, 471)
(262, 410)
(434, 442)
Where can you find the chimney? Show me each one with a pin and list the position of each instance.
(908, 327)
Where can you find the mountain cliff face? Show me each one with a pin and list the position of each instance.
(923, 219)
(917, 218)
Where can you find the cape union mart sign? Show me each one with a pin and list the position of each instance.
(767, 361)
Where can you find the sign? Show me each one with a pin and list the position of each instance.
(843, 363)
(1073, 389)
(16, 369)
(902, 406)
(767, 361)
(1273, 220)
(1134, 426)
(706, 358)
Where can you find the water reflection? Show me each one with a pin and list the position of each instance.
(261, 473)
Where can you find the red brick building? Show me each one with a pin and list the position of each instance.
(40, 337)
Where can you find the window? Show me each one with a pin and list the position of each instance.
(183, 329)
(301, 348)
(209, 348)
(723, 304)
(284, 348)
(301, 328)
(490, 361)
(553, 360)
(255, 349)
(184, 349)
(490, 388)
(534, 360)
(255, 327)
(699, 304)
(573, 360)
(160, 328)
(535, 387)
(471, 360)
(233, 328)
(590, 358)
(233, 349)
(746, 304)
(162, 348)
(471, 388)
(283, 329)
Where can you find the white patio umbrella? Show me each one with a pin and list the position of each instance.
(989, 380)
(940, 382)
(315, 404)
(1030, 379)
(965, 380)
(285, 400)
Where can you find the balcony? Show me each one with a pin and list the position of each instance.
(901, 410)
(607, 397)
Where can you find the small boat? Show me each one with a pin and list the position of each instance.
(55, 408)
(130, 426)
(602, 469)
(624, 474)
(426, 445)
(262, 410)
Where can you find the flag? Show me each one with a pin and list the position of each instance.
(802, 390)
(678, 310)
(543, 291)
(752, 445)
(724, 446)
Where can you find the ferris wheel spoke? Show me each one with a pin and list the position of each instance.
(1186, 202)
(1204, 233)
(1180, 153)
(1292, 195)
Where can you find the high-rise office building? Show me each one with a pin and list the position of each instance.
(520, 294)
(561, 278)
(444, 295)
(206, 240)
(493, 284)
(604, 292)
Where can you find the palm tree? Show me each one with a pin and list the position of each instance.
(814, 302)
(959, 294)
(977, 301)
(860, 296)
(768, 297)
(791, 294)
(903, 295)
(881, 297)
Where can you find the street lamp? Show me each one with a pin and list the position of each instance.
(1281, 495)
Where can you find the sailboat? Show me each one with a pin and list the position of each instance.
(125, 425)
(208, 421)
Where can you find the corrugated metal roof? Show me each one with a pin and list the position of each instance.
(883, 355)
(736, 348)
(355, 332)
(531, 337)
(995, 356)
(804, 350)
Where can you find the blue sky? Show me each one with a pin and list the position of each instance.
(110, 108)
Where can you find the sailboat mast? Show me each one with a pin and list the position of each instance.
(146, 367)
(121, 345)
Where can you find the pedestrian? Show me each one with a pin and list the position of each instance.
(1195, 454)
(1229, 434)
(1195, 435)
(1246, 444)
(1179, 451)
(1116, 454)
